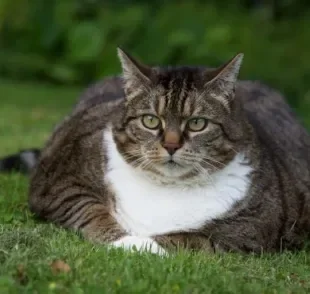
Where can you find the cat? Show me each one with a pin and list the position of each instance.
(163, 158)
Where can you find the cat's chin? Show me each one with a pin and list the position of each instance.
(172, 165)
(172, 170)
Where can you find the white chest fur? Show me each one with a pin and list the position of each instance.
(144, 208)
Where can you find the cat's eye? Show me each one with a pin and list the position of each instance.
(197, 124)
(151, 122)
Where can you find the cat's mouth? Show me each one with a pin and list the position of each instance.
(171, 163)
(172, 168)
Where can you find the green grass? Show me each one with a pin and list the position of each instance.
(27, 114)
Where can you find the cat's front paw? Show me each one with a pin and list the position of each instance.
(140, 244)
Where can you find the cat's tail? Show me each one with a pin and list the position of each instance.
(21, 162)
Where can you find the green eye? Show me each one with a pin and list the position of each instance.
(151, 121)
(197, 124)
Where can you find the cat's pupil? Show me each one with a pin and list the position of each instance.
(151, 120)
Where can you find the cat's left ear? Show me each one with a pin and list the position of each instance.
(135, 74)
(222, 81)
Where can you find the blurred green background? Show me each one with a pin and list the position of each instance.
(73, 42)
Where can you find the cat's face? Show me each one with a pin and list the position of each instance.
(176, 124)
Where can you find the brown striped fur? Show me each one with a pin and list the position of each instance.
(67, 186)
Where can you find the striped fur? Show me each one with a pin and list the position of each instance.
(68, 185)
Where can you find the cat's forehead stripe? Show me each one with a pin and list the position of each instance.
(188, 107)
(182, 95)
(179, 95)
(161, 105)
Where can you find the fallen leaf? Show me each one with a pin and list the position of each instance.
(59, 266)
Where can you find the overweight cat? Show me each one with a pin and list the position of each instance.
(169, 157)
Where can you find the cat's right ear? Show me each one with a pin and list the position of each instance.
(221, 83)
(135, 74)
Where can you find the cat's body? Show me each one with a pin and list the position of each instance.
(252, 196)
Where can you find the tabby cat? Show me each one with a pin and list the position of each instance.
(169, 157)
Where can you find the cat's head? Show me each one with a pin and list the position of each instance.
(179, 122)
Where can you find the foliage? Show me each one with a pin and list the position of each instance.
(74, 41)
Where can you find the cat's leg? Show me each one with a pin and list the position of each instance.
(104, 228)
(76, 208)
(225, 237)
(187, 241)
(80, 211)
(99, 226)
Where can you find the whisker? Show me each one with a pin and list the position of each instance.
(144, 164)
(137, 162)
(214, 160)
(203, 171)
(198, 160)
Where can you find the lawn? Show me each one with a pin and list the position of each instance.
(28, 249)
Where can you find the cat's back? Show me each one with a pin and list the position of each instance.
(107, 91)
(277, 127)
(97, 104)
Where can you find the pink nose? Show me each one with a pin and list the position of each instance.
(171, 147)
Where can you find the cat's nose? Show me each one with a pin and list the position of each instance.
(172, 141)
(171, 147)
